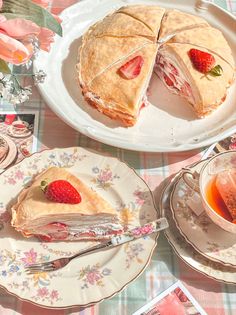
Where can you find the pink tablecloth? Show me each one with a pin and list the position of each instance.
(165, 267)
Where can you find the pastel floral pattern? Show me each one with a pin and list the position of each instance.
(93, 275)
(140, 196)
(104, 177)
(12, 265)
(133, 251)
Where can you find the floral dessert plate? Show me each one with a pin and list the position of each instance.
(93, 277)
(186, 252)
(199, 230)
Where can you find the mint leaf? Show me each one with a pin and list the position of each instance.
(216, 71)
(4, 67)
(25, 9)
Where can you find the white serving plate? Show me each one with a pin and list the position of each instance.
(168, 123)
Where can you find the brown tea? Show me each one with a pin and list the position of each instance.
(215, 200)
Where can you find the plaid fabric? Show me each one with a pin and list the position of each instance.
(165, 267)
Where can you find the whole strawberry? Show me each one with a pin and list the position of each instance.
(61, 191)
(204, 62)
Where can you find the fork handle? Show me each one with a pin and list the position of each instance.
(91, 249)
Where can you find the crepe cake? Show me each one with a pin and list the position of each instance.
(91, 219)
(119, 54)
(3, 149)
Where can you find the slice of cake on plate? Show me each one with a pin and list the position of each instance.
(59, 206)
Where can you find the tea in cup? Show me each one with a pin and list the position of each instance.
(20, 127)
(216, 185)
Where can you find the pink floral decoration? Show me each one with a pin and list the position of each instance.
(106, 175)
(42, 292)
(142, 230)
(19, 174)
(54, 294)
(30, 257)
(93, 276)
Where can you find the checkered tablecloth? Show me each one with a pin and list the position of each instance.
(165, 267)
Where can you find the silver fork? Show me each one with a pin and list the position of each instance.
(138, 232)
(62, 262)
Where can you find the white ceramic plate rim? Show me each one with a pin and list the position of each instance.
(110, 136)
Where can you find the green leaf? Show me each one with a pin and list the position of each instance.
(216, 71)
(4, 67)
(25, 9)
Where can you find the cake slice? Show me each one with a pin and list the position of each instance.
(210, 38)
(175, 21)
(149, 15)
(97, 54)
(120, 91)
(203, 91)
(130, 21)
(91, 219)
(121, 25)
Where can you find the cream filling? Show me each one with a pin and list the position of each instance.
(168, 71)
(76, 232)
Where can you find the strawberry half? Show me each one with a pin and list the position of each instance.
(61, 191)
(132, 68)
(204, 62)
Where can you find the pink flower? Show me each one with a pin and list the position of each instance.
(54, 294)
(93, 277)
(19, 28)
(10, 180)
(19, 174)
(106, 175)
(136, 231)
(13, 51)
(46, 37)
(146, 229)
(30, 257)
(42, 292)
(16, 37)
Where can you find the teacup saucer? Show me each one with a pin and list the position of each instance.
(205, 236)
(14, 134)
